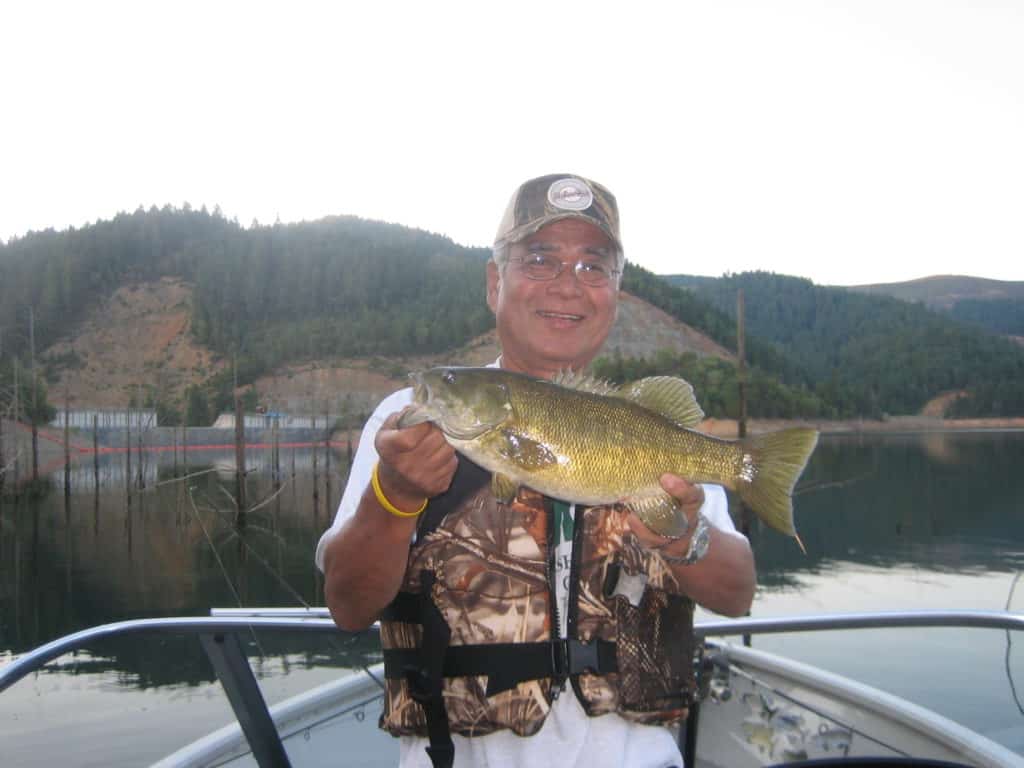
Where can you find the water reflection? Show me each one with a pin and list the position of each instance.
(889, 522)
(939, 503)
(921, 504)
(172, 548)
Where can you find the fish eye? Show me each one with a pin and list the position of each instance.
(448, 377)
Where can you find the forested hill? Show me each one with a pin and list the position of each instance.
(996, 305)
(337, 286)
(889, 355)
(344, 287)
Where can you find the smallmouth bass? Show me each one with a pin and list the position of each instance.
(581, 440)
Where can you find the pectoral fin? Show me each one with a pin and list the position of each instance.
(503, 487)
(526, 453)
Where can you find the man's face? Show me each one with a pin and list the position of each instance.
(547, 326)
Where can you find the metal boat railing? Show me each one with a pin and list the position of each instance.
(752, 626)
(219, 636)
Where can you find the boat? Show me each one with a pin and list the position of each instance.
(755, 708)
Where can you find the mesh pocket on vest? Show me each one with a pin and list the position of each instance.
(655, 652)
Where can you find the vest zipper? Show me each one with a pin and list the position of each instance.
(574, 591)
(558, 681)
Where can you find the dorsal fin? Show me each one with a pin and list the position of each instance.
(583, 382)
(670, 396)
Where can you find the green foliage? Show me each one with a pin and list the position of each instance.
(1000, 396)
(197, 407)
(709, 316)
(1005, 316)
(167, 412)
(716, 387)
(33, 407)
(871, 355)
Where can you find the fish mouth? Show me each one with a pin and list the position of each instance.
(420, 388)
(417, 412)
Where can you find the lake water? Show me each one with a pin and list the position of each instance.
(889, 522)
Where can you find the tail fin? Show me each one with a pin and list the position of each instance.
(776, 461)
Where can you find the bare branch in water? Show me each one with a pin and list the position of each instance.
(179, 479)
(823, 485)
(270, 498)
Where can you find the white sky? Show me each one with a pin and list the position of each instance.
(849, 142)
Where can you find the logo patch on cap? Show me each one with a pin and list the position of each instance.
(570, 194)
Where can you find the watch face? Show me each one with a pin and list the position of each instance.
(700, 542)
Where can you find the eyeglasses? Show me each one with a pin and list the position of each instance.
(543, 266)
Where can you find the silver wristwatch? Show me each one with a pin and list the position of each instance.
(698, 545)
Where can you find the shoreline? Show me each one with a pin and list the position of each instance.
(728, 428)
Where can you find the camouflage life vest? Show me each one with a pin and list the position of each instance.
(476, 620)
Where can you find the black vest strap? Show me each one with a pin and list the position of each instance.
(423, 668)
(508, 664)
(424, 674)
(404, 608)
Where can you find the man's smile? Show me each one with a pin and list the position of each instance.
(559, 315)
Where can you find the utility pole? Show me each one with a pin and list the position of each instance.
(3, 412)
(17, 414)
(741, 363)
(741, 427)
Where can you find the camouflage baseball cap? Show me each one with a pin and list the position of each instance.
(540, 201)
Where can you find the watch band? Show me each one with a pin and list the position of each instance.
(698, 545)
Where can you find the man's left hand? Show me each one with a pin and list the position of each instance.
(689, 497)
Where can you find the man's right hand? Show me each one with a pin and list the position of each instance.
(416, 463)
(364, 563)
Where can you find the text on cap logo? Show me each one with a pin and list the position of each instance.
(570, 194)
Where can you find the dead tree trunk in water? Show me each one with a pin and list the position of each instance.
(35, 395)
(138, 423)
(128, 456)
(17, 420)
(316, 478)
(239, 461)
(67, 443)
(95, 452)
(275, 454)
(327, 459)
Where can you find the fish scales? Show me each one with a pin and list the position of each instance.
(609, 448)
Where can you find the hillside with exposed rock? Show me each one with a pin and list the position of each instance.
(140, 340)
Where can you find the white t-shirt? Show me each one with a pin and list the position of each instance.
(569, 737)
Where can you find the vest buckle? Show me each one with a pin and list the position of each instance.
(571, 657)
(419, 684)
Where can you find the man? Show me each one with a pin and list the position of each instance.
(529, 633)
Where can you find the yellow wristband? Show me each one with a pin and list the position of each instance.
(383, 500)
